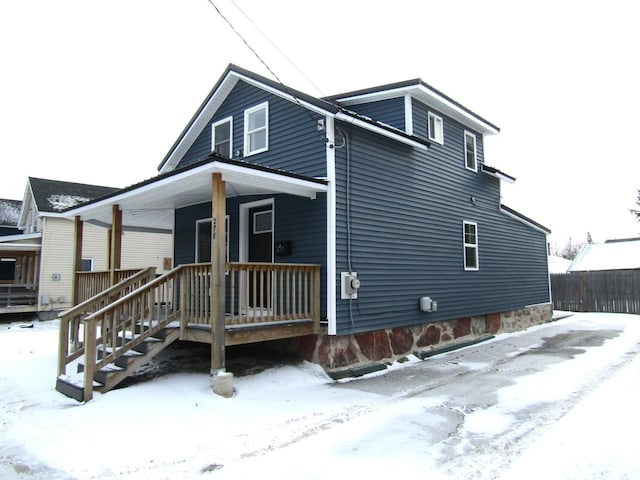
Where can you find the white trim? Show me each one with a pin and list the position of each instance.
(331, 227)
(228, 120)
(522, 220)
(243, 238)
(262, 106)
(379, 130)
(432, 99)
(438, 136)
(475, 151)
(408, 114)
(474, 245)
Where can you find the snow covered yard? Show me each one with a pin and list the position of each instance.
(558, 401)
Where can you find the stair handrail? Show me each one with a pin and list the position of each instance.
(111, 315)
(71, 319)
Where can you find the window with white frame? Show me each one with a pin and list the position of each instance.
(470, 239)
(86, 265)
(470, 151)
(436, 131)
(221, 137)
(256, 129)
(203, 240)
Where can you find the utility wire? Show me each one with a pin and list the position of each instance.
(245, 42)
(278, 49)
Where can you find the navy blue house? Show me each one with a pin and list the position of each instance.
(385, 189)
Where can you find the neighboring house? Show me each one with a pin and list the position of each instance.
(382, 193)
(40, 219)
(612, 255)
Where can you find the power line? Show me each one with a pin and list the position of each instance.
(245, 42)
(278, 49)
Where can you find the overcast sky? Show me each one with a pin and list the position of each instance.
(96, 92)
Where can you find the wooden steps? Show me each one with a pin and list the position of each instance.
(112, 374)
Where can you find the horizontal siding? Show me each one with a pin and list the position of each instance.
(407, 211)
(298, 220)
(390, 111)
(143, 249)
(295, 144)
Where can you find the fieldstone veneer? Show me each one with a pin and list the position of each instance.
(386, 346)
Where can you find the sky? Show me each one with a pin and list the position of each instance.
(97, 92)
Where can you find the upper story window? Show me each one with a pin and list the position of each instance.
(470, 151)
(256, 129)
(221, 137)
(470, 239)
(436, 131)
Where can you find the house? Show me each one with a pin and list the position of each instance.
(621, 254)
(359, 228)
(47, 250)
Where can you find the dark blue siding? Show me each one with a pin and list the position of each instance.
(298, 220)
(407, 211)
(295, 145)
(389, 111)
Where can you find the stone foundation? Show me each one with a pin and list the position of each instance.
(360, 351)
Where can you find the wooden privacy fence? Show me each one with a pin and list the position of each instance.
(613, 291)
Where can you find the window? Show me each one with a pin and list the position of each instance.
(203, 240)
(470, 234)
(470, 151)
(262, 222)
(435, 128)
(221, 137)
(86, 265)
(256, 129)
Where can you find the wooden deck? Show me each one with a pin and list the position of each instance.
(264, 301)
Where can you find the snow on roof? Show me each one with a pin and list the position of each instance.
(9, 212)
(60, 202)
(621, 255)
(558, 264)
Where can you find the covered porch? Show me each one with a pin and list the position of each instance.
(122, 318)
(19, 274)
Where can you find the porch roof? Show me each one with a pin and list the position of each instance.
(149, 205)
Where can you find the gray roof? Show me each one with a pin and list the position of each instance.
(9, 212)
(54, 196)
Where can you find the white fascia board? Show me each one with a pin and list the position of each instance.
(19, 237)
(200, 122)
(214, 103)
(522, 220)
(20, 247)
(446, 106)
(429, 97)
(379, 130)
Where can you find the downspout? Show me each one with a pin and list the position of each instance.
(331, 225)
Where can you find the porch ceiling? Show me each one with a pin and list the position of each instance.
(150, 204)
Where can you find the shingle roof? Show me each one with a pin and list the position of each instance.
(54, 196)
(9, 212)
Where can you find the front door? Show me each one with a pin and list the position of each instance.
(260, 250)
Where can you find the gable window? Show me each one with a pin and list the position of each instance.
(203, 240)
(436, 132)
(470, 239)
(470, 151)
(221, 137)
(256, 129)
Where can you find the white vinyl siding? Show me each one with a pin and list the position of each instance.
(256, 129)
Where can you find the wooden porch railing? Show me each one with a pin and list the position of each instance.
(257, 294)
(90, 284)
(70, 346)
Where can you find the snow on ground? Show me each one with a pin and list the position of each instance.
(292, 421)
